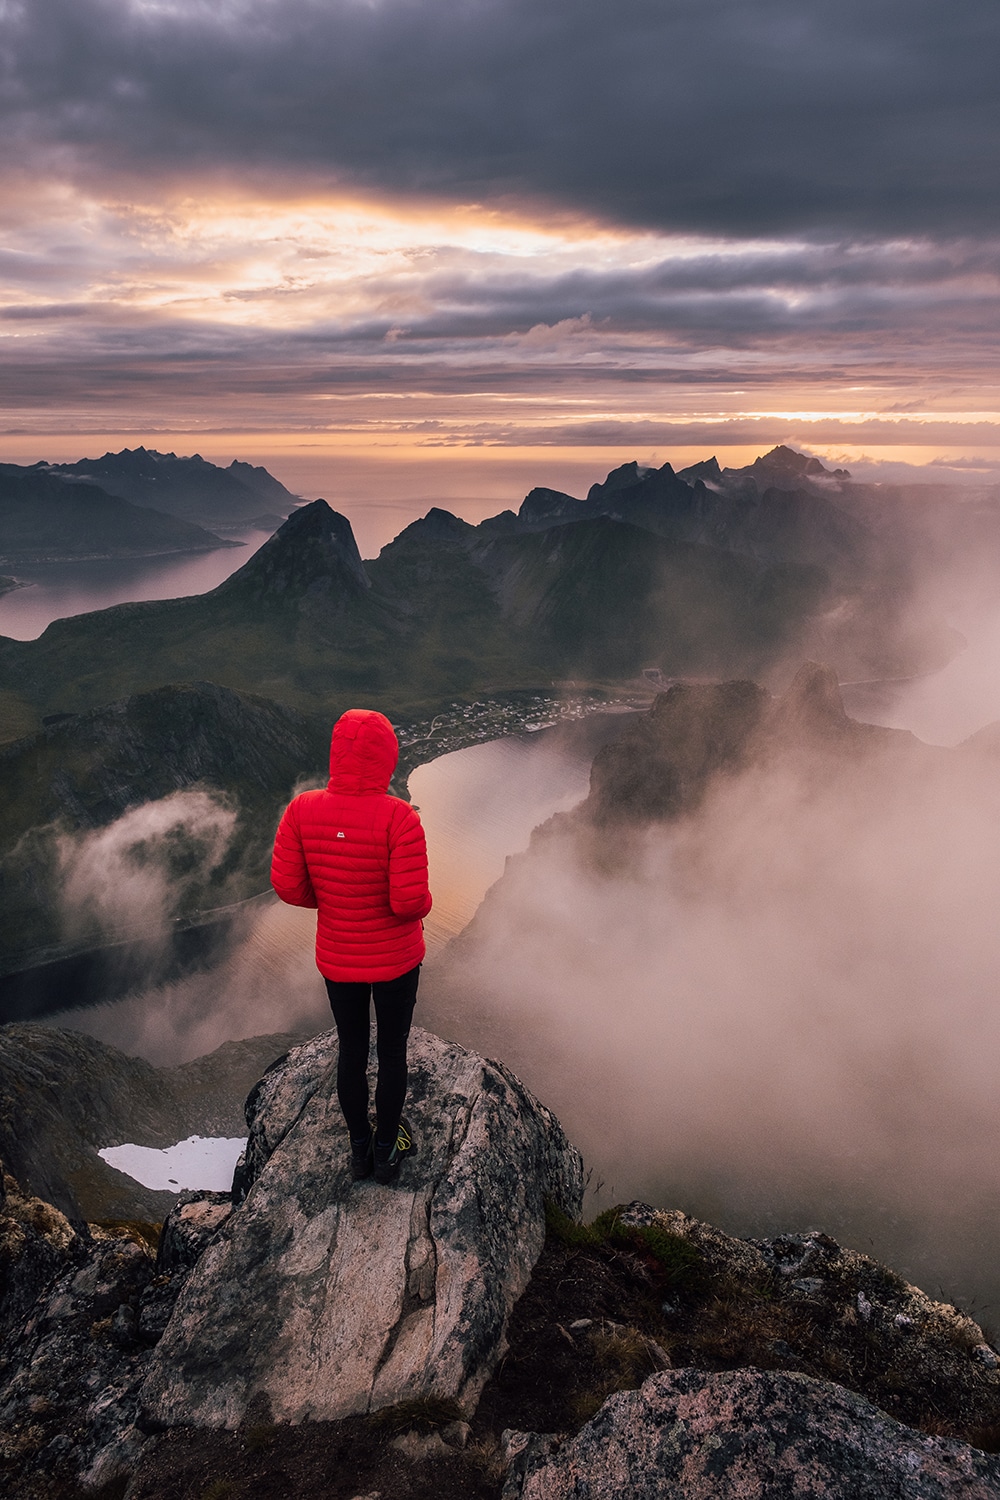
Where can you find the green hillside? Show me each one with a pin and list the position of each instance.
(84, 771)
(45, 518)
(307, 624)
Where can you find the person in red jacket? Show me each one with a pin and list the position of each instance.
(359, 856)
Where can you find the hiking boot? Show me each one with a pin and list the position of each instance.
(363, 1157)
(387, 1158)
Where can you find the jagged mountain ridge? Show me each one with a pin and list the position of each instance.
(726, 582)
(304, 629)
(192, 488)
(784, 505)
(45, 518)
(299, 623)
(446, 610)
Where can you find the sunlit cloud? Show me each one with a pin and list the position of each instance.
(528, 223)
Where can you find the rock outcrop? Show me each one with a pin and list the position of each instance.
(74, 1338)
(350, 1325)
(320, 1297)
(313, 1297)
(746, 1435)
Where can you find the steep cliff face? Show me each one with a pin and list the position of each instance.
(663, 763)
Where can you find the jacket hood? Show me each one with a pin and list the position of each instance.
(364, 752)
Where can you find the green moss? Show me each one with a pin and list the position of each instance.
(567, 1231)
(678, 1261)
(219, 1489)
(422, 1414)
(142, 1231)
(260, 1436)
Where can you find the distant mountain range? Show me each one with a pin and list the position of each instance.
(782, 507)
(725, 574)
(445, 609)
(45, 518)
(706, 573)
(191, 488)
(136, 503)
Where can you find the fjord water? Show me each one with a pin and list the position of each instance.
(480, 805)
(55, 591)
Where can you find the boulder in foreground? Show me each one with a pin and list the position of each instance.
(320, 1297)
(747, 1435)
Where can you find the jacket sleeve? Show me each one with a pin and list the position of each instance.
(409, 895)
(289, 872)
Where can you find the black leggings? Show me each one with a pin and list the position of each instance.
(350, 1003)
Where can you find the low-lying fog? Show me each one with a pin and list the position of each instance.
(782, 1015)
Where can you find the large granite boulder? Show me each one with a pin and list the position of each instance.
(320, 1297)
(746, 1435)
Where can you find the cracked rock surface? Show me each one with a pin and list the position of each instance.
(746, 1435)
(319, 1297)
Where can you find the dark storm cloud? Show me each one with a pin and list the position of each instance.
(732, 116)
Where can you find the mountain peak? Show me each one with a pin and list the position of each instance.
(313, 550)
(544, 504)
(790, 462)
(621, 478)
(707, 469)
(437, 526)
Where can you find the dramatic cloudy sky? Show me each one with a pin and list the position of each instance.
(543, 235)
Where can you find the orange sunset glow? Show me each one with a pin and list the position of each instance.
(220, 236)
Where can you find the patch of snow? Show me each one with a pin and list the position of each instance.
(199, 1162)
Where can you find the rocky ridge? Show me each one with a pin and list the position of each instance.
(309, 1334)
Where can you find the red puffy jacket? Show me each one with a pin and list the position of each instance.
(359, 856)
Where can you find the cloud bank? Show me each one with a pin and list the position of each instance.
(775, 1013)
(515, 222)
(707, 115)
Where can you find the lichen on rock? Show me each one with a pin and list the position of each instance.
(746, 1435)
